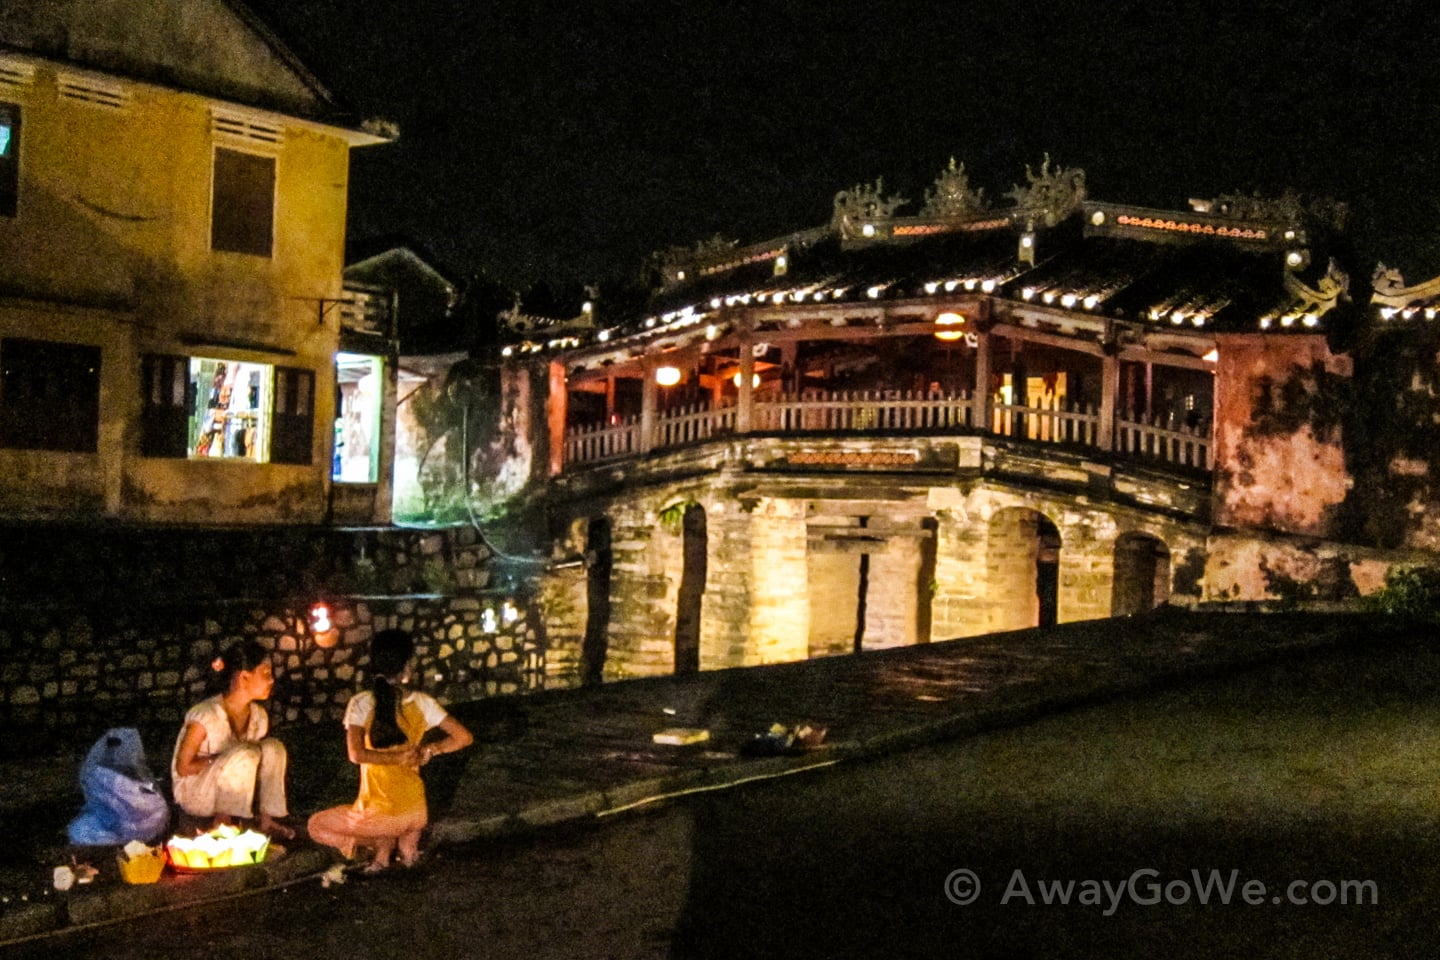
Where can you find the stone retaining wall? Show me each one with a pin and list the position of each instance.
(77, 658)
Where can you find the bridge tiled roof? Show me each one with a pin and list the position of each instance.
(1186, 283)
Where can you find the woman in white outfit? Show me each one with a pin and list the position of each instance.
(223, 757)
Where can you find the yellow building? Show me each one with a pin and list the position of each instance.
(172, 224)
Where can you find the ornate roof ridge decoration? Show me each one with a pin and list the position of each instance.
(715, 246)
(1390, 290)
(1290, 207)
(861, 204)
(952, 196)
(1333, 287)
(680, 264)
(1052, 194)
(1151, 223)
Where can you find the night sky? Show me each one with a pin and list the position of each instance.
(567, 140)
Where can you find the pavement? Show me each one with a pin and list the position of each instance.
(560, 756)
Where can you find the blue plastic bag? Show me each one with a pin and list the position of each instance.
(122, 801)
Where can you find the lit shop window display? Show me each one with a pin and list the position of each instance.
(231, 419)
(357, 420)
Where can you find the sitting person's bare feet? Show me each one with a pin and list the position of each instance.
(275, 829)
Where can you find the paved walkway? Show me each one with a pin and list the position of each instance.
(564, 755)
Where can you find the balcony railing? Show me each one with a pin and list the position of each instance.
(894, 412)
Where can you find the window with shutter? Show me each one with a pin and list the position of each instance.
(292, 426)
(49, 395)
(165, 406)
(242, 214)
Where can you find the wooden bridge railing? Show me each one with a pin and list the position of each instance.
(883, 412)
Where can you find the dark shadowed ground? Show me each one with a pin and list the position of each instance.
(1321, 770)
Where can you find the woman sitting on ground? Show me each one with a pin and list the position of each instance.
(384, 729)
(223, 756)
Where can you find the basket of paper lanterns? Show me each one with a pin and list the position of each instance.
(225, 846)
(141, 863)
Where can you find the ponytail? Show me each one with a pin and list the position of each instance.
(390, 651)
(385, 727)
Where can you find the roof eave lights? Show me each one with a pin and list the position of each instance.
(867, 230)
(1310, 320)
(988, 286)
(932, 286)
(874, 292)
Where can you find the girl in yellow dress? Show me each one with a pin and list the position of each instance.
(384, 726)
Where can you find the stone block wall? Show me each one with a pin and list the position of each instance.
(79, 655)
(73, 669)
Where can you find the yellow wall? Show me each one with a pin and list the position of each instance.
(111, 247)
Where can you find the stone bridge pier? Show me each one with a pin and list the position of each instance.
(726, 570)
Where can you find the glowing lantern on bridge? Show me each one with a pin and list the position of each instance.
(667, 376)
(225, 846)
(949, 326)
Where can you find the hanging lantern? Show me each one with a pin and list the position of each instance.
(948, 326)
(225, 846)
(754, 379)
(667, 376)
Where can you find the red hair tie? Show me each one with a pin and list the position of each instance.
(218, 664)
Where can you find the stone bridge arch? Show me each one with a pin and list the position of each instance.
(1022, 580)
(705, 575)
(1142, 574)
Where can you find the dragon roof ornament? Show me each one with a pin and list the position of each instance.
(952, 196)
(1051, 194)
(1390, 290)
(1320, 299)
(863, 203)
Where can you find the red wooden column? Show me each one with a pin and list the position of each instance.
(983, 404)
(1109, 393)
(745, 402)
(557, 402)
(647, 405)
